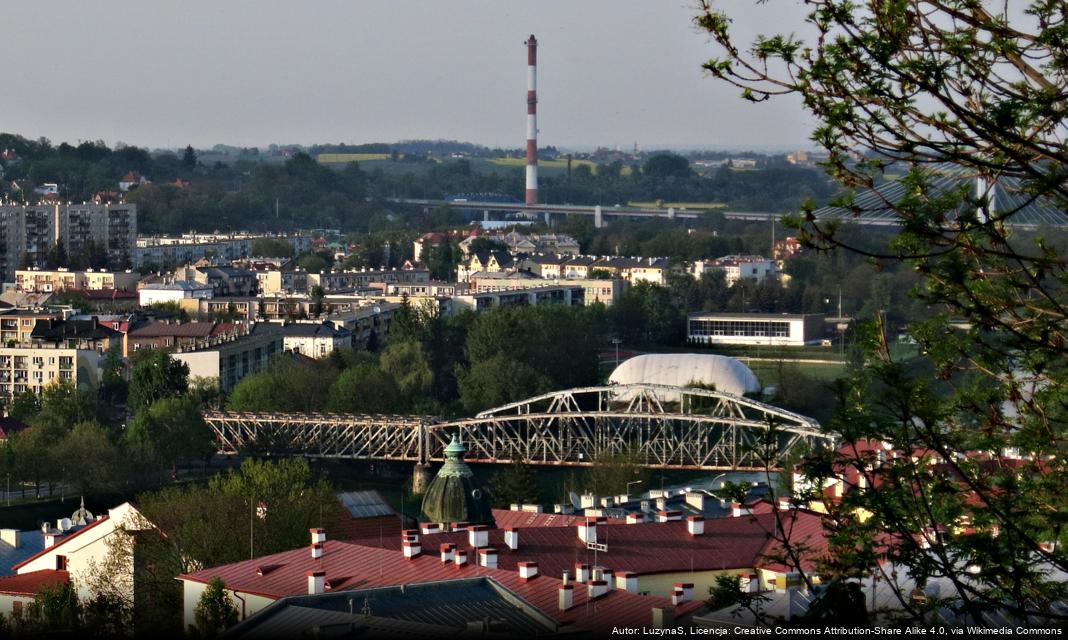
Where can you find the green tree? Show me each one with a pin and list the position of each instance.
(285, 386)
(215, 611)
(189, 158)
(409, 366)
(87, 458)
(364, 389)
(960, 97)
(55, 608)
(174, 428)
(499, 380)
(515, 485)
(156, 375)
(24, 406)
(113, 385)
(272, 247)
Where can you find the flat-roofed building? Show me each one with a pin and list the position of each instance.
(164, 292)
(754, 328)
(45, 280)
(231, 360)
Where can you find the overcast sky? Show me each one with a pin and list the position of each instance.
(253, 72)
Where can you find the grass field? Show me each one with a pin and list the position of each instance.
(344, 158)
(559, 163)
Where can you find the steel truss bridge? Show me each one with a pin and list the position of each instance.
(658, 426)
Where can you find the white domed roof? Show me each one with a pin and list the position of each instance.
(680, 369)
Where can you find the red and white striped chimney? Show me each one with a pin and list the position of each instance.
(532, 120)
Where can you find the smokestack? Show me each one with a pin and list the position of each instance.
(532, 120)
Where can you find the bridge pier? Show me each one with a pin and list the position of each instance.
(421, 477)
(598, 217)
(548, 219)
(485, 215)
(671, 213)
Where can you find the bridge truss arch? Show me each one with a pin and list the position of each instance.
(657, 426)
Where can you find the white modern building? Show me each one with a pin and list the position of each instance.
(754, 328)
(156, 292)
(737, 268)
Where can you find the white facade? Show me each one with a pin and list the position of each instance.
(81, 551)
(754, 328)
(737, 268)
(156, 293)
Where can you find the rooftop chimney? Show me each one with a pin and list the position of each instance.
(528, 571)
(318, 536)
(487, 557)
(582, 572)
(11, 537)
(682, 592)
(316, 582)
(460, 559)
(635, 518)
(567, 597)
(411, 548)
(448, 550)
(317, 550)
(663, 617)
(696, 499)
(51, 538)
(784, 503)
(430, 527)
(478, 536)
(596, 588)
(511, 538)
(627, 581)
(695, 525)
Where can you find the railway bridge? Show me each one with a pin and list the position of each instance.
(660, 426)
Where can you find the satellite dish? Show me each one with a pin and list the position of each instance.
(575, 500)
(65, 524)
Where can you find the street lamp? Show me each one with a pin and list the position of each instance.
(630, 483)
(617, 342)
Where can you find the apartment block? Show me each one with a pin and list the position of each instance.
(231, 360)
(29, 232)
(45, 281)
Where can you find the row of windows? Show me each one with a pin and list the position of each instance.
(746, 328)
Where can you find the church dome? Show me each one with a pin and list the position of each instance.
(453, 494)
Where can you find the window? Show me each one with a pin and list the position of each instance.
(61, 563)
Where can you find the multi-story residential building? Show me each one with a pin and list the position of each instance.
(168, 252)
(605, 291)
(16, 325)
(366, 324)
(431, 288)
(44, 281)
(224, 281)
(484, 261)
(185, 336)
(231, 360)
(737, 268)
(57, 350)
(163, 292)
(29, 232)
(315, 340)
(555, 294)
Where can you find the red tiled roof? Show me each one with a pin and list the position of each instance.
(507, 518)
(64, 540)
(351, 566)
(28, 584)
(108, 294)
(728, 543)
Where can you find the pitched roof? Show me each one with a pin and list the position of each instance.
(352, 566)
(506, 518)
(64, 540)
(28, 584)
(70, 330)
(175, 330)
(651, 548)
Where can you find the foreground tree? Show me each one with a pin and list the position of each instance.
(215, 611)
(970, 98)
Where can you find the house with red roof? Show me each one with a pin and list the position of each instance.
(71, 551)
(598, 602)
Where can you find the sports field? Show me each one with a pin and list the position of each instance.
(344, 158)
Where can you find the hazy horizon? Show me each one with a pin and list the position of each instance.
(251, 73)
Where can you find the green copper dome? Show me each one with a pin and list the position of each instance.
(453, 494)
